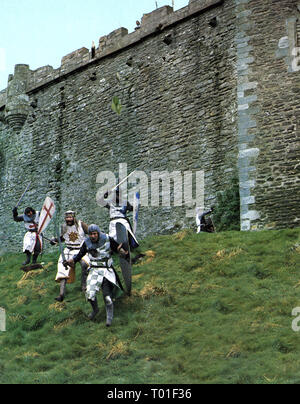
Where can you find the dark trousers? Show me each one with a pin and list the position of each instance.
(107, 288)
(37, 247)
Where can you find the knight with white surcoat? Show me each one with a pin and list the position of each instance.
(118, 213)
(73, 233)
(32, 243)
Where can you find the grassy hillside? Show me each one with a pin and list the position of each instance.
(209, 308)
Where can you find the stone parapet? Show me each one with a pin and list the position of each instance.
(177, 89)
(119, 39)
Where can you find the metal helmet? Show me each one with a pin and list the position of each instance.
(94, 227)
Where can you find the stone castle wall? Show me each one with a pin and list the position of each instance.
(207, 87)
(268, 112)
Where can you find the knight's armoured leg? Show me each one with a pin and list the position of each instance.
(28, 255)
(95, 308)
(62, 290)
(107, 290)
(109, 310)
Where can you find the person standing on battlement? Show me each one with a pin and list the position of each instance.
(32, 243)
(73, 233)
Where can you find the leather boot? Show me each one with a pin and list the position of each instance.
(95, 307)
(62, 291)
(35, 257)
(28, 255)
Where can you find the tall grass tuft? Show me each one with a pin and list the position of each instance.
(205, 308)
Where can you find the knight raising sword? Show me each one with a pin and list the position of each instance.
(35, 223)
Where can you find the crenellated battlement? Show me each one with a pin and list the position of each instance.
(205, 88)
(119, 39)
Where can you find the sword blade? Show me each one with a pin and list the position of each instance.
(121, 182)
(20, 200)
(60, 243)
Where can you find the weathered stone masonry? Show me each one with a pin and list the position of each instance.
(209, 87)
(268, 113)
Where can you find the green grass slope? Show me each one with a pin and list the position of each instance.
(209, 308)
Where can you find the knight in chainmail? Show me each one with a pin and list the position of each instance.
(32, 243)
(98, 247)
(118, 210)
(73, 233)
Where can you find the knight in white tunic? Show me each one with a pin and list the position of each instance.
(32, 243)
(205, 224)
(73, 233)
(98, 247)
(118, 213)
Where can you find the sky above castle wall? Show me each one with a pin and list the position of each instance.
(41, 32)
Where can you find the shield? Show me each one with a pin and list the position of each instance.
(125, 263)
(46, 214)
